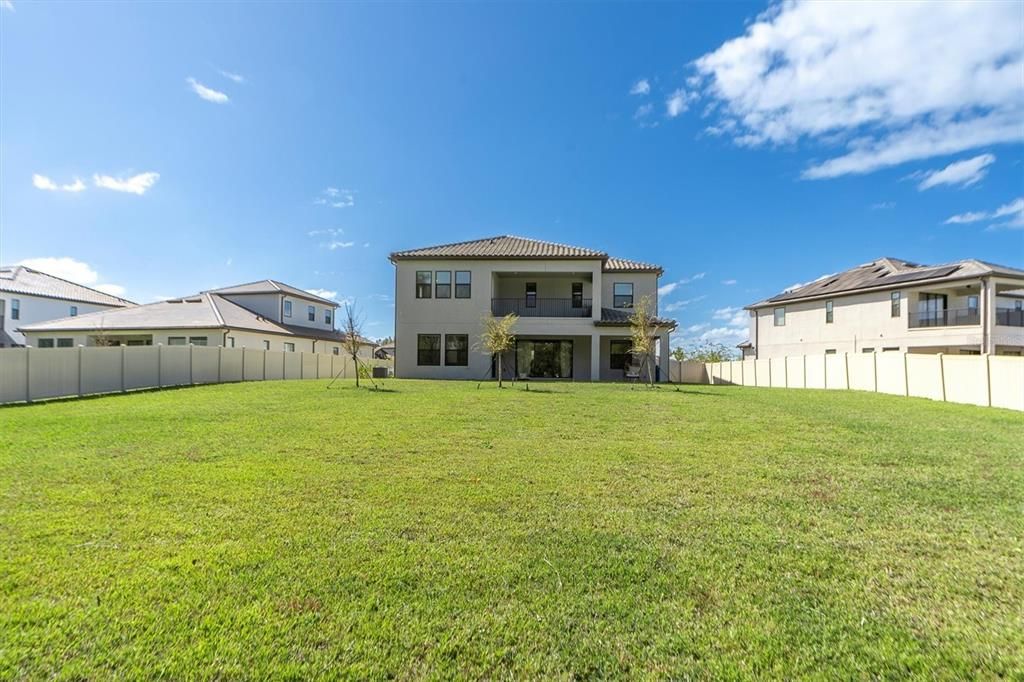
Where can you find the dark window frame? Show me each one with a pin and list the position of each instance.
(311, 313)
(622, 300)
(446, 291)
(531, 296)
(46, 343)
(464, 289)
(461, 354)
(266, 345)
(424, 283)
(173, 340)
(619, 359)
(74, 311)
(287, 309)
(830, 314)
(775, 317)
(15, 308)
(286, 346)
(65, 343)
(577, 294)
(328, 316)
(425, 357)
(894, 304)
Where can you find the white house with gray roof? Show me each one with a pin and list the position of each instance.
(28, 296)
(267, 314)
(889, 304)
(573, 304)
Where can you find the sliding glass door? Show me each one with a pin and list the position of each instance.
(544, 359)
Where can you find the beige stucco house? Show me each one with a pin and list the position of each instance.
(889, 304)
(573, 304)
(267, 315)
(28, 296)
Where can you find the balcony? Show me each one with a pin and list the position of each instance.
(949, 317)
(542, 307)
(1009, 317)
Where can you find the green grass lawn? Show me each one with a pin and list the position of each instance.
(281, 529)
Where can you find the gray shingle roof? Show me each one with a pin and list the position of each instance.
(508, 246)
(885, 273)
(619, 317)
(19, 279)
(271, 286)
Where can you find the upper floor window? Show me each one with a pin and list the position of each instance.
(74, 311)
(328, 317)
(15, 309)
(972, 303)
(424, 280)
(428, 349)
(577, 294)
(531, 294)
(780, 317)
(311, 313)
(828, 312)
(622, 295)
(1018, 305)
(894, 304)
(443, 284)
(463, 283)
(287, 308)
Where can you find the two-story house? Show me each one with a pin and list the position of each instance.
(965, 307)
(573, 304)
(28, 296)
(267, 314)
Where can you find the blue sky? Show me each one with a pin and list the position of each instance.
(166, 148)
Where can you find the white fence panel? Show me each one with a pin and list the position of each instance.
(231, 364)
(835, 371)
(965, 379)
(892, 373)
(13, 374)
(175, 365)
(924, 376)
(1006, 375)
(273, 365)
(323, 366)
(777, 376)
(253, 365)
(309, 365)
(102, 370)
(795, 372)
(292, 366)
(814, 371)
(861, 371)
(53, 372)
(141, 367)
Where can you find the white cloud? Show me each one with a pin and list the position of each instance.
(1013, 213)
(641, 87)
(7, 4)
(643, 111)
(137, 184)
(679, 305)
(336, 198)
(74, 271)
(45, 183)
(883, 205)
(323, 293)
(209, 94)
(677, 103)
(332, 231)
(964, 173)
(232, 76)
(366, 245)
(669, 287)
(728, 282)
(334, 245)
(734, 330)
(895, 81)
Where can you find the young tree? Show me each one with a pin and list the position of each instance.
(711, 352)
(679, 355)
(644, 331)
(353, 330)
(498, 337)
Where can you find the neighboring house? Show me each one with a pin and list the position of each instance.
(385, 352)
(29, 296)
(265, 315)
(574, 305)
(889, 304)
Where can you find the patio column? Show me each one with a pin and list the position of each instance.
(595, 357)
(663, 361)
(987, 303)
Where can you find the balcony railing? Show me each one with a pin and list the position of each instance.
(1008, 317)
(542, 307)
(950, 317)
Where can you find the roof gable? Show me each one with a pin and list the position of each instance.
(504, 246)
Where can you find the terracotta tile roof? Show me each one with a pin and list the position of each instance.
(508, 246)
(18, 279)
(885, 273)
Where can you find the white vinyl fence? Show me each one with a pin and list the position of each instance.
(987, 380)
(28, 374)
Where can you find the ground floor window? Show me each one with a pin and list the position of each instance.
(456, 350)
(830, 351)
(619, 353)
(289, 347)
(868, 350)
(335, 350)
(428, 350)
(45, 343)
(888, 349)
(231, 342)
(176, 341)
(266, 345)
(544, 359)
(197, 340)
(65, 343)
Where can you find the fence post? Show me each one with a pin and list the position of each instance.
(942, 376)
(264, 365)
(769, 373)
(124, 351)
(988, 377)
(906, 376)
(824, 377)
(243, 363)
(846, 369)
(28, 375)
(79, 371)
(191, 379)
(874, 371)
(220, 361)
(805, 370)
(159, 366)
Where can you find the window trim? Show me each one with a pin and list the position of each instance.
(613, 356)
(289, 346)
(468, 284)
(231, 342)
(830, 315)
(192, 340)
(616, 297)
(328, 316)
(46, 343)
(577, 294)
(428, 282)
(287, 309)
(65, 343)
(420, 351)
(462, 354)
(775, 316)
(174, 340)
(531, 296)
(311, 313)
(895, 306)
(266, 345)
(15, 308)
(74, 311)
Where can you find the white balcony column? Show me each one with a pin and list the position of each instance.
(595, 357)
(663, 361)
(595, 292)
(988, 314)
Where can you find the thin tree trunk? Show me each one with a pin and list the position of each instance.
(499, 370)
